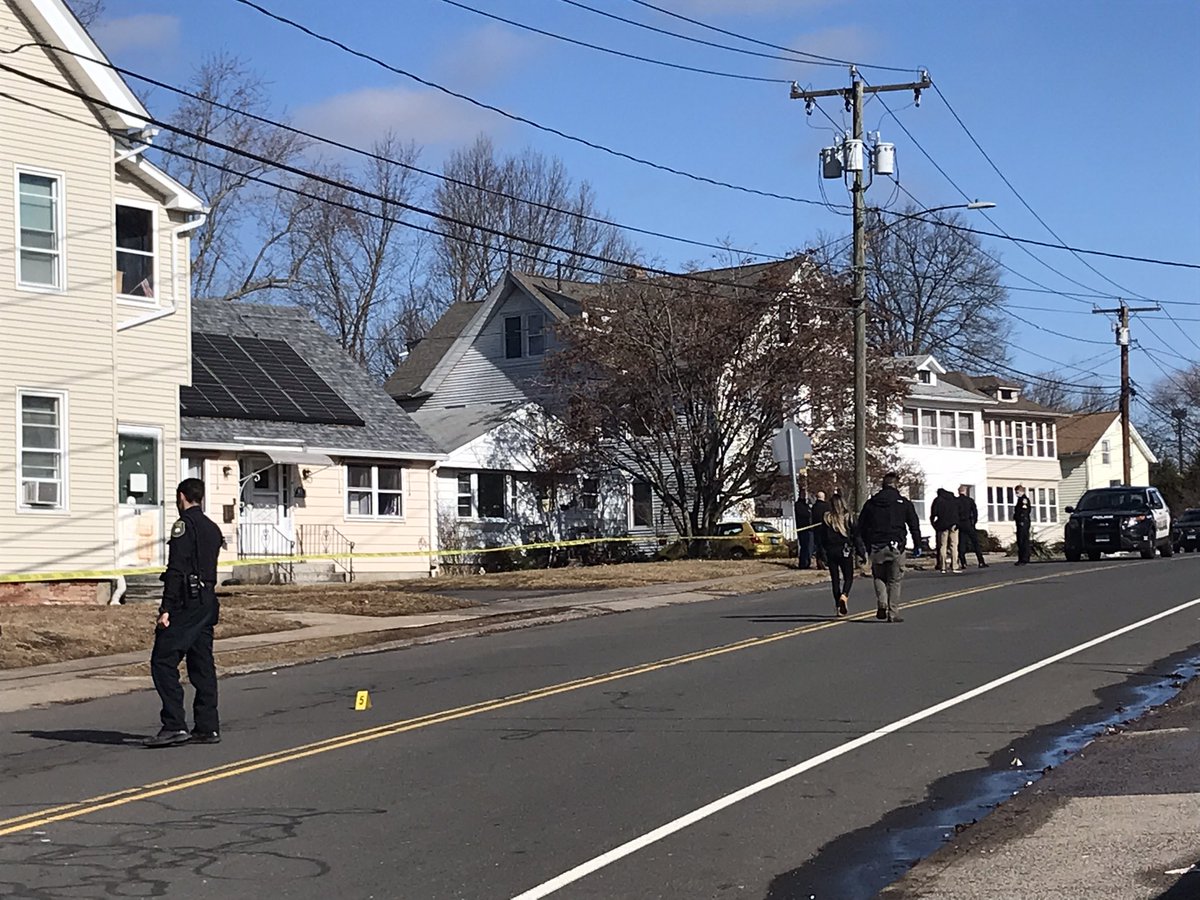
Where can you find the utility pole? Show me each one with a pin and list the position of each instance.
(1179, 414)
(852, 161)
(1122, 330)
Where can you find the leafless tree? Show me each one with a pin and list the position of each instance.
(355, 265)
(88, 12)
(1053, 391)
(242, 249)
(1177, 390)
(931, 289)
(528, 196)
(683, 385)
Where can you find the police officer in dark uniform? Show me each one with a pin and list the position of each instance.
(1023, 516)
(186, 618)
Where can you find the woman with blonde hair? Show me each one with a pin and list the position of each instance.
(839, 537)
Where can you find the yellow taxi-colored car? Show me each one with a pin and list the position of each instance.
(747, 538)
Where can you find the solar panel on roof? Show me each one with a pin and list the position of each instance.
(257, 378)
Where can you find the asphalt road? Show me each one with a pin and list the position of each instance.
(494, 766)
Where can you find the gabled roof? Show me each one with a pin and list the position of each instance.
(387, 429)
(56, 24)
(985, 385)
(420, 374)
(1079, 434)
(411, 374)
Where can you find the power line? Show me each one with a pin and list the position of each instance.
(703, 179)
(354, 189)
(621, 53)
(696, 40)
(368, 154)
(1017, 194)
(761, 43)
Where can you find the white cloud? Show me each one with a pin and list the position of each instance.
(362, 116)
(848, 42)
(486, 54)
(146, 32)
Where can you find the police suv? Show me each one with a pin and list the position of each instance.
(1116, 519)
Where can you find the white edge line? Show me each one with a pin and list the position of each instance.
(629, 847)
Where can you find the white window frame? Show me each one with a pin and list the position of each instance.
(524, 318)
(188, 462)
(60, 228)
(968, 430)
(375, 515)
(136, 299)
(912, 429)
(474, 481)
(64, 506)
(1106, 452)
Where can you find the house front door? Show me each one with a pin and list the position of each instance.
(267, 527)
(140, 500)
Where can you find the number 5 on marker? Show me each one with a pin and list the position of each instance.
(362, 701)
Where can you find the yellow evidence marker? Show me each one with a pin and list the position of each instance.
(362, 701)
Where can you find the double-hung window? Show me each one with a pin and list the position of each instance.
(966, 431)
(908, 427)
(375, 491)
(40, 231)
(482, 495)
(641, 507)
(41, 450)
(524, 336)
(135, 252)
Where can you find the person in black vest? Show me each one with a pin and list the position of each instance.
(186, 617)
(968, 527)
(819, 508)
(1023, 516)
(882, 525)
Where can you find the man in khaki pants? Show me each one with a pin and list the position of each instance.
(943, 515)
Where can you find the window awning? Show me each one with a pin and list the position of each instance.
(299, 458)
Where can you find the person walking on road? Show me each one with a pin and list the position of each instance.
(1023, 516)
(842, 546)
(819, 508)
(943, 515)
(804, 534)
(186, 617)
(882, 525)
(968, 528)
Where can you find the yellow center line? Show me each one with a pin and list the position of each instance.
(180, 783)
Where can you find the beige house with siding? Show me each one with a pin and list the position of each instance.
(94, 313)
(302, 452)
(1091, 455)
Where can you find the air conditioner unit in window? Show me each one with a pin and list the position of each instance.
(41, 493)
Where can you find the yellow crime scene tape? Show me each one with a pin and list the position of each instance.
(85, 574)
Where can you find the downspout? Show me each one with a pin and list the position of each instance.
(434, 558)
(176, 232)
(118, 594)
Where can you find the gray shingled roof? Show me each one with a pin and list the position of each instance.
(981, 384)
(406, 381)
(387, 428)
(453, 427)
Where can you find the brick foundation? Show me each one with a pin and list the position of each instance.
(35, 593)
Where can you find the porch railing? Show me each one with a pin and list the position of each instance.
(327, 541)
(261, 539)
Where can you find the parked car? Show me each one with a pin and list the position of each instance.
(1116, 519)
(1186, 530)
(747, 538)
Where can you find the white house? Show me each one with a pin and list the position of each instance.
(941, 437)
(1020, 444)
(1091, 455)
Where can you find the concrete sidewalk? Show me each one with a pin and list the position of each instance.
(1119, 819)
(89, 678)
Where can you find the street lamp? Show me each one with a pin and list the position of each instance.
(861, 487)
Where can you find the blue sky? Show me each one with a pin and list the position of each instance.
(1087, 107)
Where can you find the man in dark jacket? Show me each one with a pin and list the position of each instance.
(968, 527)
(186, 618)
(943, 515)
(819, 508)
(1023, 517)
(884, 520)
(804, 533)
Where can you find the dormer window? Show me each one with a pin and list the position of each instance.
(925, 376)
(1009, 395)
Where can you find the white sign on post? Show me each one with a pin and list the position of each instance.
(788, 456)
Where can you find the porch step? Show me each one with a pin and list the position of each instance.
(142, 589)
